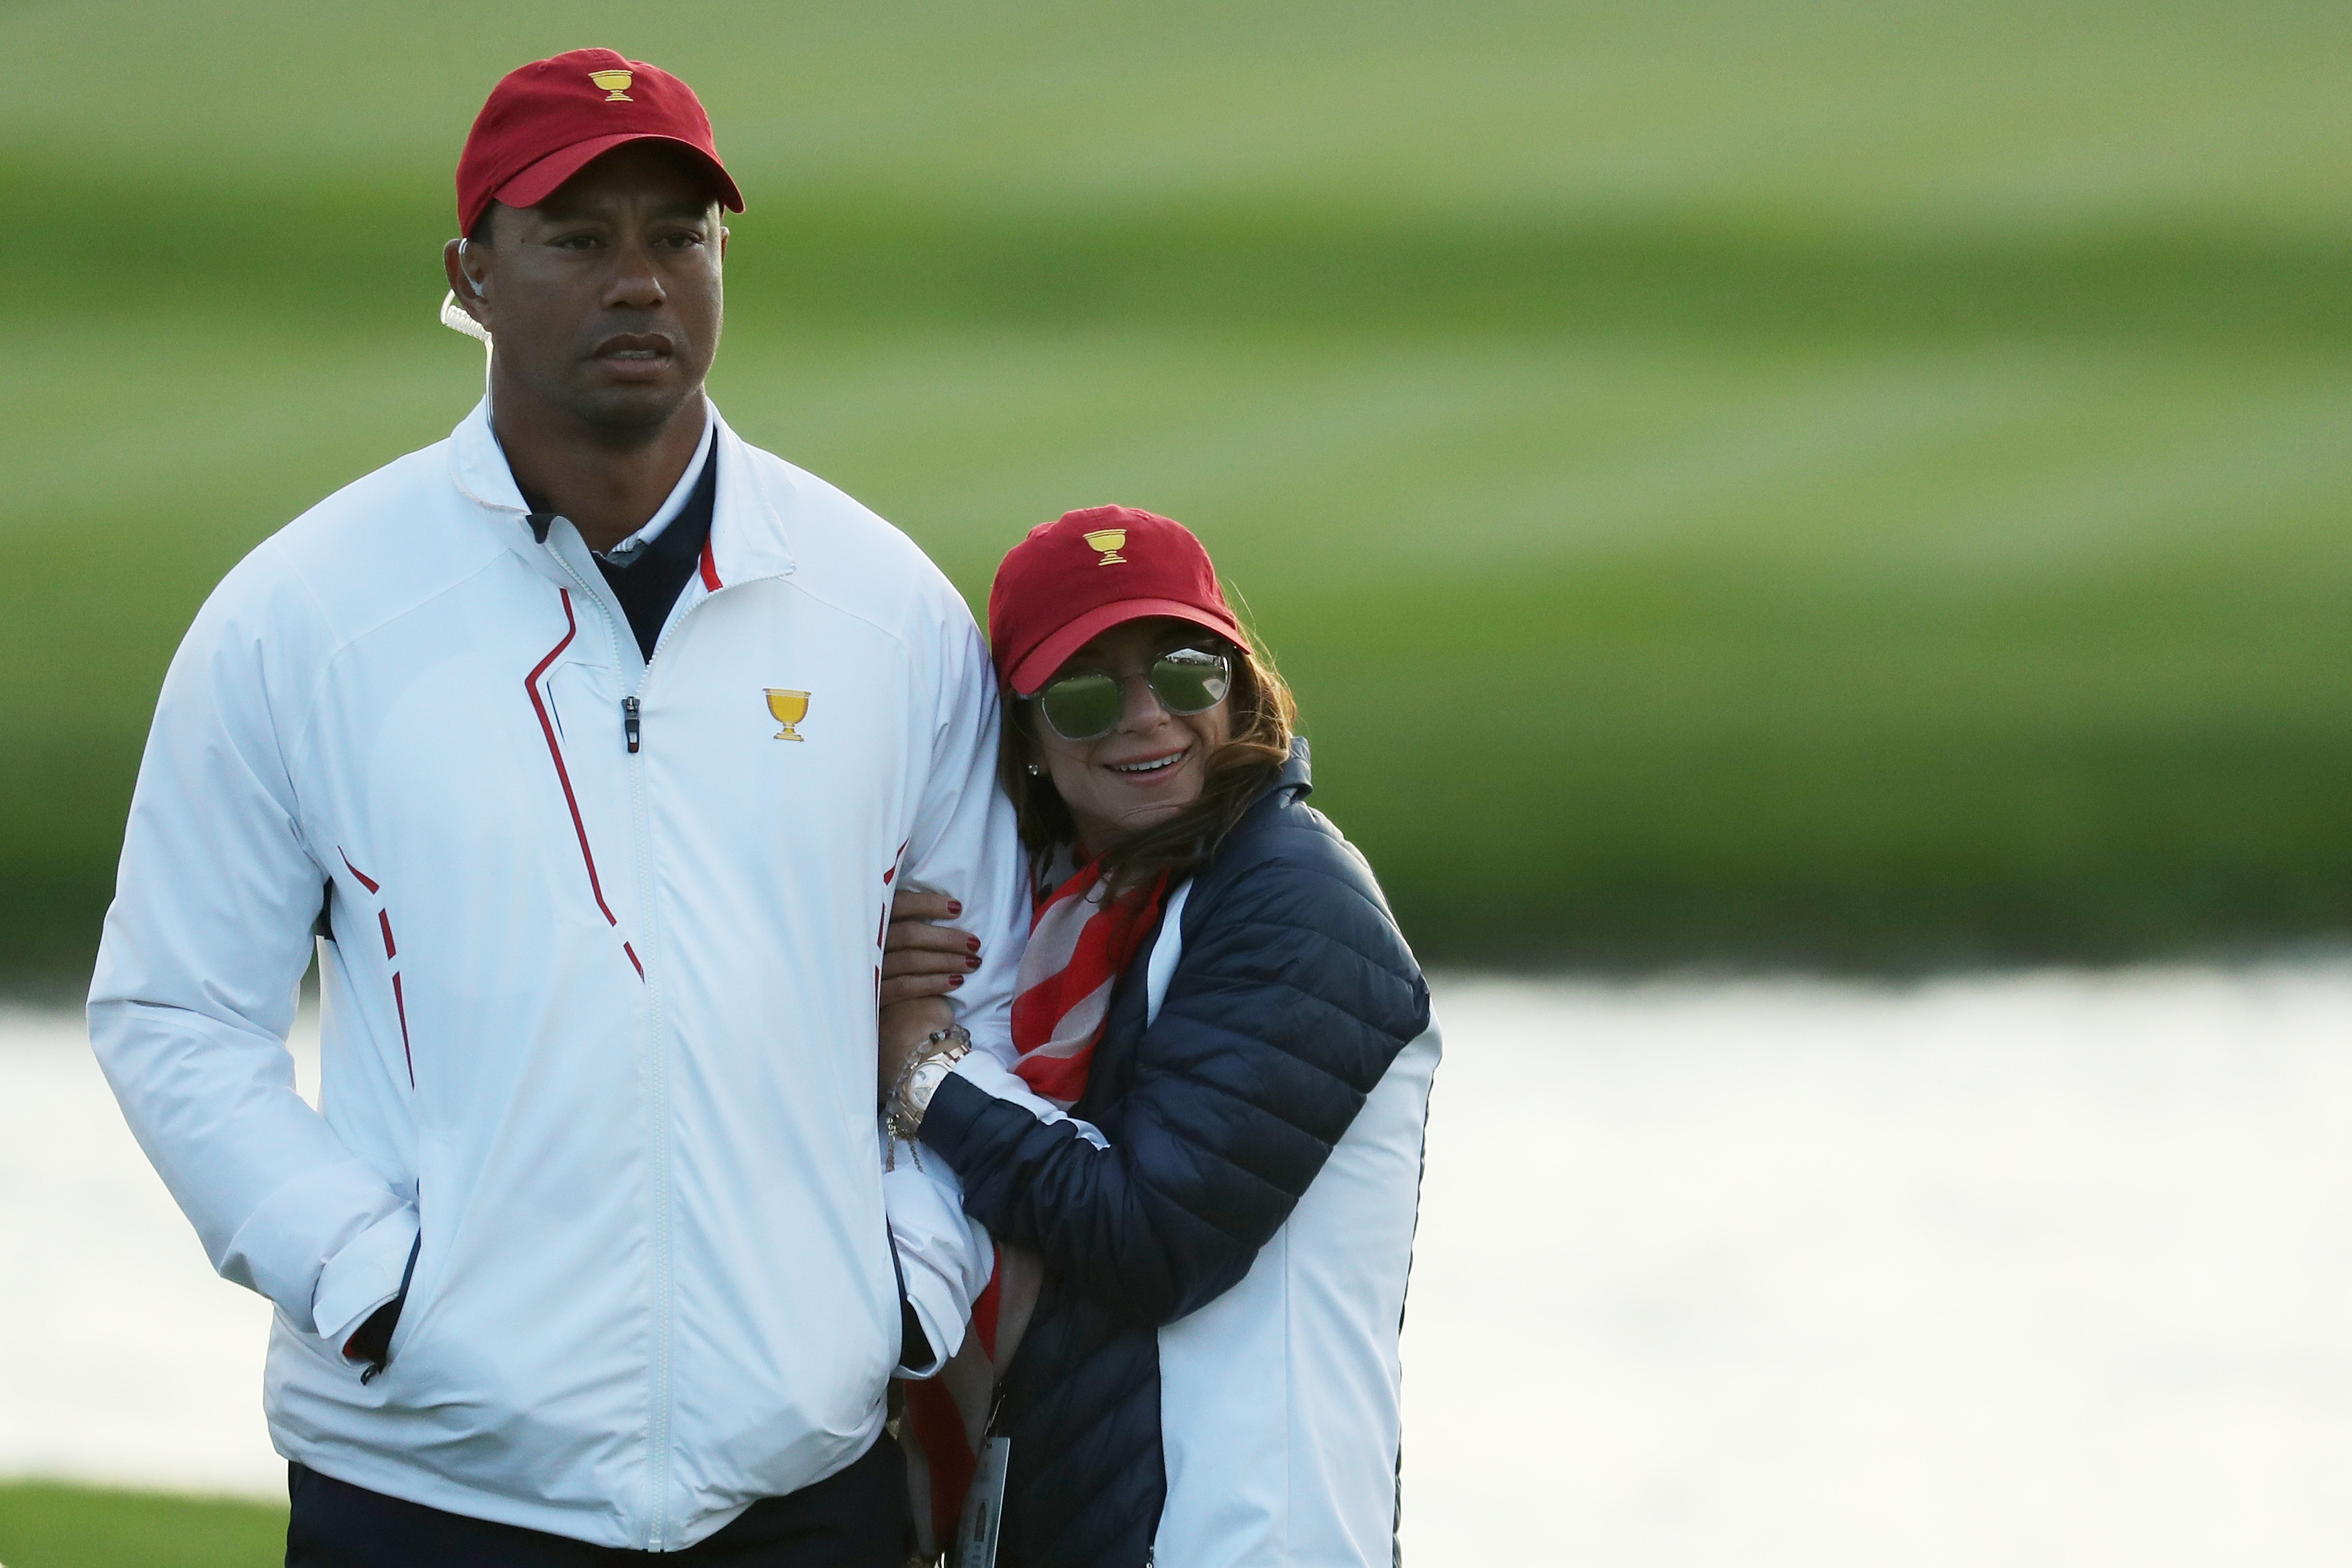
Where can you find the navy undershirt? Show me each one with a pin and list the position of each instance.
(648, 585)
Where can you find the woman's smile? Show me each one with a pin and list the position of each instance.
(1150, 769)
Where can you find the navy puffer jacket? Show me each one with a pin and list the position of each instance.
(1294, 993)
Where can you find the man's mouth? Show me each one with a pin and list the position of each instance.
(635, 353)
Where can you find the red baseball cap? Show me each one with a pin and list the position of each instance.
(545, 121)
(1077, 577)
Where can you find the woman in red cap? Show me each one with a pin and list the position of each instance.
(1210, 1131)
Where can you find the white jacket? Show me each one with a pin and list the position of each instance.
(598, 1022)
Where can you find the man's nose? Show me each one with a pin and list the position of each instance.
(637, 282)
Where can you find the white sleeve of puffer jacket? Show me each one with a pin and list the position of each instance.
(961, 842)
(203, 950)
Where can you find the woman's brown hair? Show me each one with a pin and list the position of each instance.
(1264, 715)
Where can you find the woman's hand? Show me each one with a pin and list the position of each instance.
(905, 1026)
(922, 963)
(920, 957)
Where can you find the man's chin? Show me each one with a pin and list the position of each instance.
(638, 412)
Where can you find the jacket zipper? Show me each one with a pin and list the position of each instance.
(631, 736)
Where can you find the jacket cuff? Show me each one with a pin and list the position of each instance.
(995, 1081)
(363, 1276)
(944, 1257)
(284, 1245)
(955, 1106)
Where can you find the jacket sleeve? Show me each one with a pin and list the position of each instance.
(204, 947)
(1294, 993)
(961, 842)
(945, 1259)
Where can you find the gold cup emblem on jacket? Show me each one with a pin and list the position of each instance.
(1110, 542)
(789, 709)
(615, 85)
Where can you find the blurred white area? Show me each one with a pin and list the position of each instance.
(122, 1356)
(2026, 1269)
(2039, 1269)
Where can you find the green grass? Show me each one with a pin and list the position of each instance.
(53, 1525)
(1821, 483)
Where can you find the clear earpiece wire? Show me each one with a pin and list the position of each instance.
(457, 321)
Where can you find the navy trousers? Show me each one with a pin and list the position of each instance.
(856, 1517)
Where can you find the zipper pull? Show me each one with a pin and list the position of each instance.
(629, 722)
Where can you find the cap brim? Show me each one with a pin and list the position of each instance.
(543, 179)
(1038, 665)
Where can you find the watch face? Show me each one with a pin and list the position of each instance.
(928, 1078)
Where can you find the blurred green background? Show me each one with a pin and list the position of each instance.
(49, 1525)
(1855, 485)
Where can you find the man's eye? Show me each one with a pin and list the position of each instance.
(576, 242)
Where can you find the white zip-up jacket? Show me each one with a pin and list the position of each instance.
(599, 1012)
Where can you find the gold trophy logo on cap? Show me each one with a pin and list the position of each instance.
(1110, 542)
(615, 85)
(789, 709)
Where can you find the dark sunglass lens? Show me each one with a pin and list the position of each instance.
(1192, 681)
(1082, 707)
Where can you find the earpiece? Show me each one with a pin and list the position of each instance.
(453, 316)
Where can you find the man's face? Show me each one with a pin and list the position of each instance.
(605, 299)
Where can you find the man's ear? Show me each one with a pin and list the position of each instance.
(468, 280)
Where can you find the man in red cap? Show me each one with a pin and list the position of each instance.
(602, 345)
(592, 742)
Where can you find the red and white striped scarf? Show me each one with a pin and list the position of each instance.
(1080, 943)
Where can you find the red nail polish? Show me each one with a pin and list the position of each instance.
(973, 962)
(956, 982)
(954, 908)
(971, 943)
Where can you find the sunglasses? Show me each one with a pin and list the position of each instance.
(1187, 680)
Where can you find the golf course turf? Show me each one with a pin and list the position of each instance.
(1835, 485)
(48, 1524)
